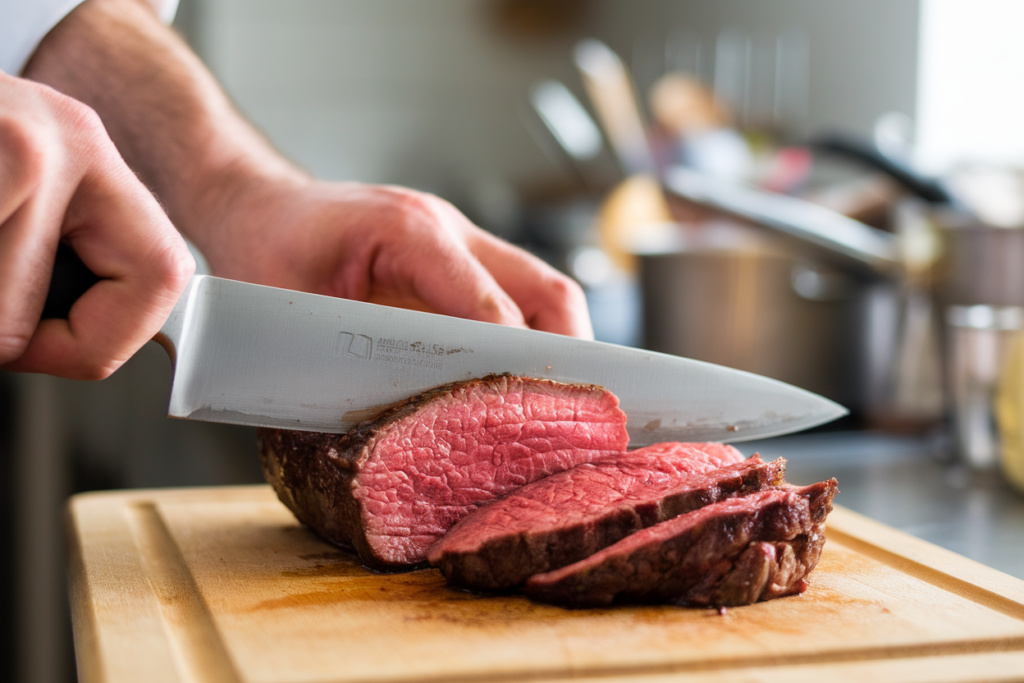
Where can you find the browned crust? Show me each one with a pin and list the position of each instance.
(313, 472)
(314, 481)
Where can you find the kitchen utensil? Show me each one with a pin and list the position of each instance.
(568, 136)
(567, 120)
(611, 91)
(979, 340)
(746, 332)
(912, 386)
(929, 189)
(254, 355)
(225, 585)
(815, 353)
(833, 236)
(982, 284)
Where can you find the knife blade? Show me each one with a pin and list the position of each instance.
(255, 355)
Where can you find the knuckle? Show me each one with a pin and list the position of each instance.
(416, 217)
(490, 309)
(181, 265)
(417, 208)
(82, 119)
(81, 129)
(565, 289)
(25, 148)
(175, 266)
(35, 140)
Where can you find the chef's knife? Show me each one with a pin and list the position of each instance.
(254, 355)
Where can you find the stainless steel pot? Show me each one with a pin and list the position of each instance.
(750, 298)
(756, 309)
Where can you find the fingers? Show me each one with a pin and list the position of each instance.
(491, 280)
(28, 229)
(24, 276)
(415, 250)
(122, 235)
(440, 269)
(86, 196)
(398, 247)
(549, 300)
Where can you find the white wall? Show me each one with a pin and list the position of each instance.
(862, 53)
(971, 90)
(424, 92)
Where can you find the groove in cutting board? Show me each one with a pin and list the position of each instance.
(725, 665)
(935, 577)
(197, 643)
(731, 664)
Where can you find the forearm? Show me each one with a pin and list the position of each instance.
(258, 218)
(164, 111)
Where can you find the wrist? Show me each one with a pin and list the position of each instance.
(168, 117)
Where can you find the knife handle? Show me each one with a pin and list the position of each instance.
(70, 280)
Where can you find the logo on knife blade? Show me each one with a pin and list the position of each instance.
(416, 353)
(354, 346)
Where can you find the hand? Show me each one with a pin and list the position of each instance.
(62, 179)
(388, 245)
(259, 219)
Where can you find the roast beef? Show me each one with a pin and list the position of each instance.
(735, 551)
(393, 485)
(569, 516)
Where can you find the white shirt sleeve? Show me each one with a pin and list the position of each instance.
(24, 24)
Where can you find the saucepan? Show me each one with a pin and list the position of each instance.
(726, 295)
(807, 295)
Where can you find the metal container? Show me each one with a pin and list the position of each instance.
(979, 340)
(826, 295)
(982, 264)
(755, 309)
(982, 286)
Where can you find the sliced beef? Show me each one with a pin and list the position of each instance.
(569, 516)
(736, 551)
(393, 485)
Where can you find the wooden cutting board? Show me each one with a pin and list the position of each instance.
(224, 585)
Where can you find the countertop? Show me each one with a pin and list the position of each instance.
(903, 482)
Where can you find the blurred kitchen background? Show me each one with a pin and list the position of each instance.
(826, 192)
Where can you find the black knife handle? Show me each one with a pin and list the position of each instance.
(70, 280)
(929, 189)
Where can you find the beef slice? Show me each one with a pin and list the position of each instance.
(566, 517)
(736, 551)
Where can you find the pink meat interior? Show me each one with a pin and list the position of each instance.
(589, 489)
(472, 445)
